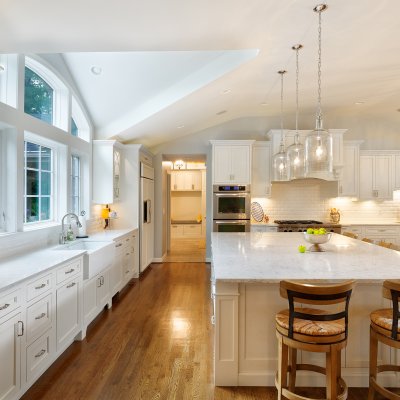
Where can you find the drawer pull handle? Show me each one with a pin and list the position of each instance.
(40, 286)
(41, 352)
(20, 324)
(127, 240)
(118, 245)
(127, 254)
(70, 271)
(4, 307)
(71, 285)
(127, 271)
(42, 315)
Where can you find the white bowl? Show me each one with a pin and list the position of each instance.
(317, 239)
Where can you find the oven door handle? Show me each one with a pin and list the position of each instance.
(232, 222)
(232, 194)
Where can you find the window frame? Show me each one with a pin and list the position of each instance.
(80, 120)
(79, 176)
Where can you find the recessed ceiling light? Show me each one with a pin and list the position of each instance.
(2, 68)
(180, 126)
(221, 112)
(226, 91)
(359, 103)
(96, 70)
(264, 104)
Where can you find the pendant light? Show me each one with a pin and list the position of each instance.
(279, 160)
(318, 144)
(295, 152)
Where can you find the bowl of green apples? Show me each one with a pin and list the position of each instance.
(316, 236)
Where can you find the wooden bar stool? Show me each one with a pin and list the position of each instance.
(315, 330)
(367, 240)
(384, 328)
(350, 235)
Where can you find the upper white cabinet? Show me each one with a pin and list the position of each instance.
(231, 160)
(376, 175)
(107, 156)
(187, 181)
(337, 136)
(349, 177)
(261, 170)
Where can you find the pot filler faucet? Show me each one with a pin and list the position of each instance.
(63, 236)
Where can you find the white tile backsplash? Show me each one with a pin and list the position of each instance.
(312, 199)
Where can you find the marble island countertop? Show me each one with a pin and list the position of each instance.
(270, 257)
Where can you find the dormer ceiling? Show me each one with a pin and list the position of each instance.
(172, 68)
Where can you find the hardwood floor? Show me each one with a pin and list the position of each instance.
(187, 250)
(155, 343)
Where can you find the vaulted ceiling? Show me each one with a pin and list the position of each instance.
(171, 68)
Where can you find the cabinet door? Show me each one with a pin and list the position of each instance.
(397, 172)
(193, 180)
(366, 177)
(116, 275)
(10, 348)
(222, 164)
(240, 164)
(348, 185)
(117, 174)
(178, 180)
(89, 299)
(68, 313)
(383, 177)
(261, 166)
(103, 293)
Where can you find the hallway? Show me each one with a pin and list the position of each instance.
(155, 343)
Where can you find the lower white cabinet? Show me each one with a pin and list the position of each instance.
(96, 295)
(68, 311)
(263, 228)
(11, 332)
(186, 231)
(377, 233)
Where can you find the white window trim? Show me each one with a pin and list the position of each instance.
(80, 185)
(80, 119)
(60, 92)
(8, 79)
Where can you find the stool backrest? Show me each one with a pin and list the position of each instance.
(382, 243)
(324, 294)
(350, 234)
(367, 240)
(391, 291)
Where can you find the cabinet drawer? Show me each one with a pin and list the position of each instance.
(38, 356)
(176, 230)
(38, 287)
(9, 302)
(192, 230)
(381, 230)
(119, 247)
(38, 318)
(68, 271)
(358, 230)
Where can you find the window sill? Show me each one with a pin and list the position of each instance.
(40, 225)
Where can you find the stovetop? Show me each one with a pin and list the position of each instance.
(297, 222)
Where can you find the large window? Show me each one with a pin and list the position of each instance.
(75, 184)
(74, 128)
(38, 183)
(38, 96)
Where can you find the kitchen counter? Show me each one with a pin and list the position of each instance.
(247, 268)
(109, 234)
(271, 257)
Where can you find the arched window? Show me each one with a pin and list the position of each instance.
(39, 97)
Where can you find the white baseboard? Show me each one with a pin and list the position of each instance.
(208, 259)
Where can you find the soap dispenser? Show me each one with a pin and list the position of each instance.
(70, 234)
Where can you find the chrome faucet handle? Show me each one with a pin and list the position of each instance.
(61, 239)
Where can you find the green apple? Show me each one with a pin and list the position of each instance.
(302, 249)
(310, 231)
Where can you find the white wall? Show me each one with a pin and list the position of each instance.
(185, 205)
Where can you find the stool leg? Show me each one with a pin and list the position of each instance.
(331, 373)
(292, 373)
(373, 361)
(282, 367)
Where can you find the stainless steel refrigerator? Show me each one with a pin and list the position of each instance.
(147, 216)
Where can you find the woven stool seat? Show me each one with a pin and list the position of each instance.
(384, 319)
(311, 328)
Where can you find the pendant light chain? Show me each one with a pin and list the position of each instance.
(319, 112)
(297, 88)
(282, 72)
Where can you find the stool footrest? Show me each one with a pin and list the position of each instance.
(381, 390)
(387, 367)
(311, 367)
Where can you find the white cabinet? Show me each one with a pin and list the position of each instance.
(116, 270)
(96, 295)
(106, 171)
(231, 161)
(261, 170)
(185, 231)
(11, 332)
(186, 181)
(68, 305)
(375, 176)
(263, 228)
(349, 177)
(385, 233)
(397, 172)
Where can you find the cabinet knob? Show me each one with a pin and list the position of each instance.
(42, 315)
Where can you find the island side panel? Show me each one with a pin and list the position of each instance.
(226, 334)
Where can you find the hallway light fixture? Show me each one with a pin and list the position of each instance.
(280, 159)
(318, 144)
(295, 152)
(179, 164)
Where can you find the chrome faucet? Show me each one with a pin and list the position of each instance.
(63, 236)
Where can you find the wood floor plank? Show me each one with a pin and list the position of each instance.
(154, 343)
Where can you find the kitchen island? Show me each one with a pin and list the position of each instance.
(246, 271)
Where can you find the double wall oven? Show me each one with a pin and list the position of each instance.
(231, 208)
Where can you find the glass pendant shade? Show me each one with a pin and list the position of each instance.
(279, 162)
(295, 159)
(318, 154)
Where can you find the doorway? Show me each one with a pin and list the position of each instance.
(186, 209)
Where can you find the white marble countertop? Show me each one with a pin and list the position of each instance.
(270, 257)
(14, 270)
